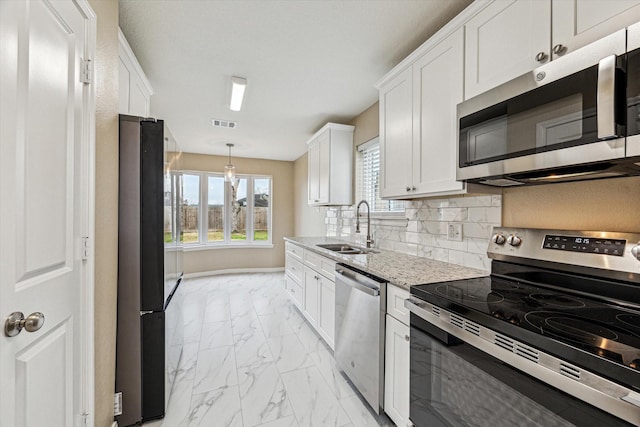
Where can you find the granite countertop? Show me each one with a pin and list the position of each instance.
(399, 269)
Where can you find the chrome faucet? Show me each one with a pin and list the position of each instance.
(369, 239)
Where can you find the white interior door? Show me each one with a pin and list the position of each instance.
(44, 210)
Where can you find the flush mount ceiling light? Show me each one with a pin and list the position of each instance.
(238, 86)
(229, 170)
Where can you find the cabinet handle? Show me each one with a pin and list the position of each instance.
(413, 188)
(541, 57)
(406, 337)
(559, 49)
(408, 188)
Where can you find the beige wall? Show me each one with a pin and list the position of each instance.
(282, 215)
(309, 220)
(106, 206)
(607, 205)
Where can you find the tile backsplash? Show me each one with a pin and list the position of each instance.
(423, 231)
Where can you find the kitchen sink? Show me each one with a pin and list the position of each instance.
(345, 249)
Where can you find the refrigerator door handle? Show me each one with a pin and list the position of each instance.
(142, 313)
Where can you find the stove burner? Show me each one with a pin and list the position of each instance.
(576, 328)
(464, 294)
(630, 319)
(557, 300)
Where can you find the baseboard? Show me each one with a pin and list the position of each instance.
(233, 271)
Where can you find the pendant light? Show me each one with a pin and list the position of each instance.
(229, 170)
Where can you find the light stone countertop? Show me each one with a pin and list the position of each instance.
(399, 269)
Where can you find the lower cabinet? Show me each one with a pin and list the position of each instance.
(396, 363)
(327, 310)
(311, 287)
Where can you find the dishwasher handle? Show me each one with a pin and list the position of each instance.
(357, 285)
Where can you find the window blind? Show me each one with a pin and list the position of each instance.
(369, 179)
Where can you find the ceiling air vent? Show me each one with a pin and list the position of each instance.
(218, 123)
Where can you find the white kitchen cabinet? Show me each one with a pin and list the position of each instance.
(294, 289)
(418, 124)
(135, 90)
(510, 38)
(311, 305)
(437, 82)
(396, 135)
(330, 170)
(327, 310)
(503, 41)
(396, 375)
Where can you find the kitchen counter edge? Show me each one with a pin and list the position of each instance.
(401, 270)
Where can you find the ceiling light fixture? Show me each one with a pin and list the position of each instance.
(229, 170)
(238, 86)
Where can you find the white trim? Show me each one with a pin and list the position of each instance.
(128, 52)
(193, 247)
(233, 271)
(88, 170)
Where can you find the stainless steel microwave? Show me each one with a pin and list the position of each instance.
(575, 118)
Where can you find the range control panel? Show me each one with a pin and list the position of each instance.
(603, 250)
(594, 245)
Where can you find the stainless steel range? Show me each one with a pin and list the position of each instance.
(551, 337)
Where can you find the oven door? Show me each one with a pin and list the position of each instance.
(566, 113)
(453, 383)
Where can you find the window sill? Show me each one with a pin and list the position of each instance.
(206, 247)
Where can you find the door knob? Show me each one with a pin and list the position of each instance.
(16, 322)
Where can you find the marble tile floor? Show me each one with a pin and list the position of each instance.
(250, 359)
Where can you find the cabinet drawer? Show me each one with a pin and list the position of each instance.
(395, 303)
(323, 265)
(294, 267)
(294, 250)
(294, 290)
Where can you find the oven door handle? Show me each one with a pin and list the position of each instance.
(416, 307)
(606, 98)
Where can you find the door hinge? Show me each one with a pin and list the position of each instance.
(86, 71)
(85, 248)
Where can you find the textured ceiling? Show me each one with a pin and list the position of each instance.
(306, 62)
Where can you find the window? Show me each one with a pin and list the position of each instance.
(217, 213)
(368, 180)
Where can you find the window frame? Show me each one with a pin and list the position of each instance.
(203, 215)
(360, 189)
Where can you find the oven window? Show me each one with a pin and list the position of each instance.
(458, 385)
(558, 115)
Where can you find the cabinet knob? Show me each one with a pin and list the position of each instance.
(406, 337)
(413, 188)
(541, 57)
(408, 188)
(559, 49)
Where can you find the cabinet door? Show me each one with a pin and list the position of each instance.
(577, 23)
(311, 291)
(294, 290)
(327, 310)
(324, 169)
(314, 173)
(396, 130)
(396, 375)
(502, 42)
(437, 85)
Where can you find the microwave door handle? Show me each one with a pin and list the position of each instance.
(606, 97)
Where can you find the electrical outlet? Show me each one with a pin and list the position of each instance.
(454, 231)
(117, 403)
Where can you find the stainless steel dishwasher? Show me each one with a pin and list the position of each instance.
(359, 340)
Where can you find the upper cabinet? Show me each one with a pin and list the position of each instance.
(330, 153)
(418, 123)
(509, 38)
(135, 90)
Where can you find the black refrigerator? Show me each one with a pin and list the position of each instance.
(149, 303)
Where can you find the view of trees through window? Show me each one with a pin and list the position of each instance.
(213, 211)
